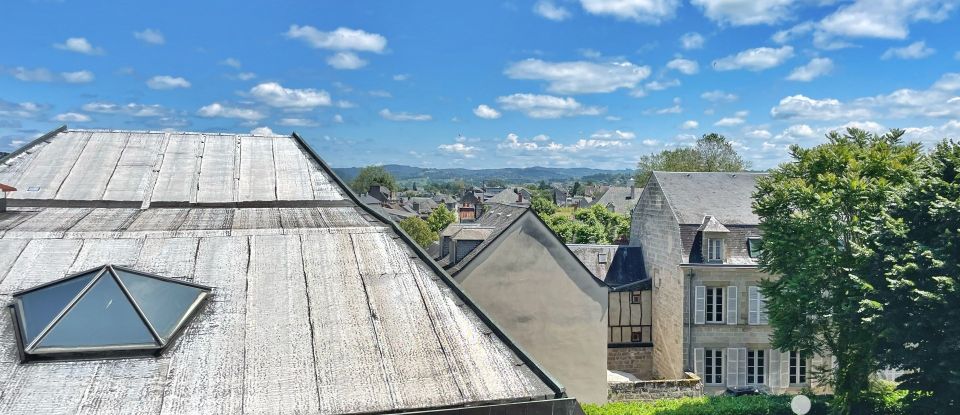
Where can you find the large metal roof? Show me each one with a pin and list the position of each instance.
(319, 305)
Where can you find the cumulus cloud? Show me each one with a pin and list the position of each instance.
(131, 109)
(167, 82)
(151, 36)
(759, 133)
(737, 119)
(72, 117)
(548, 10)
(613, 135)
(690, 125)
(675, 109)
(885, 19)
(337, 118)
(262, 131)
(796, 132)
(803, 107)
(218, 110)
(484, 111)
(691, 40)
(798, 30)
(12, 112)
(79, 77)
(459, 148)
(816, 68)
(915, 50)
(32, 75)
(275, 95)
(346, 60)
(403, 116)
(546, 106)
(684, 66)
(231, 62)
(243, 76)
(742, 13)
(661, 85)
(757, 59)
(580, 77)
(79, 45)
(642, 11)
(718, 96)
(297, 122)
(340, 39)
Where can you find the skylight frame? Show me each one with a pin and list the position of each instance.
(29, 353)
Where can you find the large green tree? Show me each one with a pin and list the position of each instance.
(591, 225)
(916, 303)
(440, 218)
(373, 175)
(712, 152)
(817, 213)
(418, 230)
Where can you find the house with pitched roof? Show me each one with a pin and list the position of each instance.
(700, 241)
(177, 272)
(619, 199)
(534, 287)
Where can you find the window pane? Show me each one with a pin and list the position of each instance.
(38, 308)
(163, 302)
(102, 317)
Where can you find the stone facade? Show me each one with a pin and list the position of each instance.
(652, 390)
(637, 361)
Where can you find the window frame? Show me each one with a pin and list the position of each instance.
(751, 241)
(602, 257)
(756, 367)
(636, 298)
(716, 307)
(798, 368)
(714, 246)
(715, 357)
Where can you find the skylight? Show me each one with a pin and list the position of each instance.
(104, 312)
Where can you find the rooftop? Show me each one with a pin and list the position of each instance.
(725, 196)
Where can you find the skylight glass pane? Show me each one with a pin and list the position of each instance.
(38, 308)
(102, 317)
(163, 302)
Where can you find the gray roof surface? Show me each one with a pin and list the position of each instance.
(619, 196)
(316, 307)
(726, 196)
(497, 216)
(624, 264)
(508, 195)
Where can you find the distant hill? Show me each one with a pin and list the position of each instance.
(510, 175)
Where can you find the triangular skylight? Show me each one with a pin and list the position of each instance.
(110, 311)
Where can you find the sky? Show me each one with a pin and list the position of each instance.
(484, 84)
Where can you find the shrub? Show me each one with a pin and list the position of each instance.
(719, 405)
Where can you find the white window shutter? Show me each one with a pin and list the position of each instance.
(763, 309)
(698, 362)
(785, 369)
(732, 305)
(700, 305)
(742, 370)
(773, 366)
(733, 367)
(753, 305)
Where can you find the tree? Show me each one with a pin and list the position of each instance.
(827, 201)
(916, 304)
(543, 206)
(712, 152)
(577, 189)
(371, 176)
(591, 225)
(418, 230)
(440, 218)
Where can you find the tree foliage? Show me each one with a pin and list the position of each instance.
(370, 176)
(440, 218)
(916, 303)
(593, 225)
(418, 230)
(712, 152)
(543, 206)
(828, 201)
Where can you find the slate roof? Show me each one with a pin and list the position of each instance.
(319, 304)
(509, 196)
(619, 197)
(497, 217)
(725, 196)
(624, 263)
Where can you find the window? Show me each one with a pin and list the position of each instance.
(635, 298)
(714, 304)
(106, 312)
(713, 366)
(754, 245)
(636, 337)
(714, 249)
(756, 367)
(798, 368)
(602, 257)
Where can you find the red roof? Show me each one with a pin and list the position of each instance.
(4, 188)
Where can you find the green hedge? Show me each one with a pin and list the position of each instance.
(714, 405)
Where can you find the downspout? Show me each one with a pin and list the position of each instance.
(690, 294)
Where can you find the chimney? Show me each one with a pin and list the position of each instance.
(633, 188)
(3, 201)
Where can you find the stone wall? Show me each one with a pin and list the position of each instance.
(651, 390)
(637, 361)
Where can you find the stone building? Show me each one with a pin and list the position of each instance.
(700, 242)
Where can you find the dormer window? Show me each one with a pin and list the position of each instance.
(714, 250)
(104, 312)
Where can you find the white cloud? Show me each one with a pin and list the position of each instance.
(220, 111)
(548, 10)
(262, 131)
(729, 122)
(78, 77)
(643, 11)
(346, 60)
(612, 135)
(690, 125)
(684, 66)
(484, 111)
(459, 148)
(403, 116)
(933, 134)
(802, 107)
(32, 75)
(793, 33)
(337, 118)
(815, 68)
(718, 96)
(796, 133)
(231, 62)
(275, 95)
(243, 76)
(546, 106)
(151, 36)
(675, 109)
(400, 77)
(72, 117)
(340, 39)
(745, 12)
(580, 77)
(692, 40)
(885, 19)
(759, 133)
(661, 85)
(756, 59)
(167, 82)
(132, 109)
(915, 50)
(297, 122)
(19, 110)
(79, 45)
(379, 93)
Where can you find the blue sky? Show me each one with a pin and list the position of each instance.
(589, 83)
